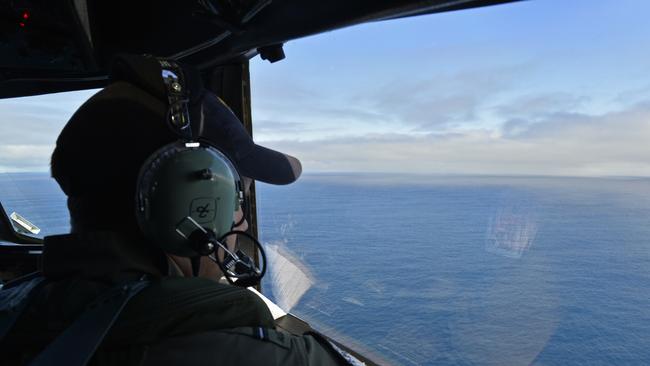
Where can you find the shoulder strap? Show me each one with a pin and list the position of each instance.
(14, 298)
(77, 344)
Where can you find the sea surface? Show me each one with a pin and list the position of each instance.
(418, 270)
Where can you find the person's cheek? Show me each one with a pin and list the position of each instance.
(243, 226)
(231, 242)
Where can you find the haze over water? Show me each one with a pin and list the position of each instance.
(452, 270)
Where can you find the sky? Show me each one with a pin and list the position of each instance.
(542, 87)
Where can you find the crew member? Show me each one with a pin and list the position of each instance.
(121, 140)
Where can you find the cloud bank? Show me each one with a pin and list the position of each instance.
(535, 135)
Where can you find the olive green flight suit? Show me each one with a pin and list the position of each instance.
(174, 321)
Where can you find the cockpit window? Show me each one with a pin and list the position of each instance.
(476, 186)
(30, 197)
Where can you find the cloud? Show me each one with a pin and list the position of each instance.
(482, 120)
(426, 102)
(30, 127)
(279, 128)
(540, 105)
(633, 96)
(435, 102)
(614, 143)
(30, 124)
(25, 157)
(268, 127)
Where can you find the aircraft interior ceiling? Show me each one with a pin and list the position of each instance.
(61, 45)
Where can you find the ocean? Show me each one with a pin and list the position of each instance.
(463, 270)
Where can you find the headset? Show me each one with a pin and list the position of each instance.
(188, 191)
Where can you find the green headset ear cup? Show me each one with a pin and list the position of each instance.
(180, 181)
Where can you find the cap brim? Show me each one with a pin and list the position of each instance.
(221, 128)
(269, 166)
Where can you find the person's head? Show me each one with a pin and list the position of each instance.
(100, 153)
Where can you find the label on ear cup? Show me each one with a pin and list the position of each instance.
(203, 209)
(174, 201)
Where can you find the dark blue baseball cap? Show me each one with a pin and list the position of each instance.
(212, 121)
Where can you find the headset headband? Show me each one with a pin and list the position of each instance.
(178, 113)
